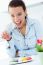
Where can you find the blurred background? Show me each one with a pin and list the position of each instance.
(34, 10)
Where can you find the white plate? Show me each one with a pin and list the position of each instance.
(20, 60)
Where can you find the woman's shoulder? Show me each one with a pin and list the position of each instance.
(32, 21)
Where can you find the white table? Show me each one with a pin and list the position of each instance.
(35, 61)
(4, 59)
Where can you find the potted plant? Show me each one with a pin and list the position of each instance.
(39, 45)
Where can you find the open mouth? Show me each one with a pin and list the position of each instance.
(18, 23)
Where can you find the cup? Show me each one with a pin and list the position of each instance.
(41, 57)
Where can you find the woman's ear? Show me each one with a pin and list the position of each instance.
(25, 14)
(25, 17)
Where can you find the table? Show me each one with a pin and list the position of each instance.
(35, 61)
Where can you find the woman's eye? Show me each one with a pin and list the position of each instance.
(19, 14)
(12, 15)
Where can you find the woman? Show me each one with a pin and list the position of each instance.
(23, 32)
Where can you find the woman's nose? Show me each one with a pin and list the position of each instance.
(16, 19)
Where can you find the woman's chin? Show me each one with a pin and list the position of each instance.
(19, 27)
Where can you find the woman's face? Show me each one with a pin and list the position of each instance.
(18, 16)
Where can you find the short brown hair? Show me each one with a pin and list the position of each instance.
(16, 3)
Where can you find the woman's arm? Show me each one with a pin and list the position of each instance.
(10, 48)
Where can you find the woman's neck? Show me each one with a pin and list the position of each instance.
(23, 29)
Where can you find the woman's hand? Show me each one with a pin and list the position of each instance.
(6, 36)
